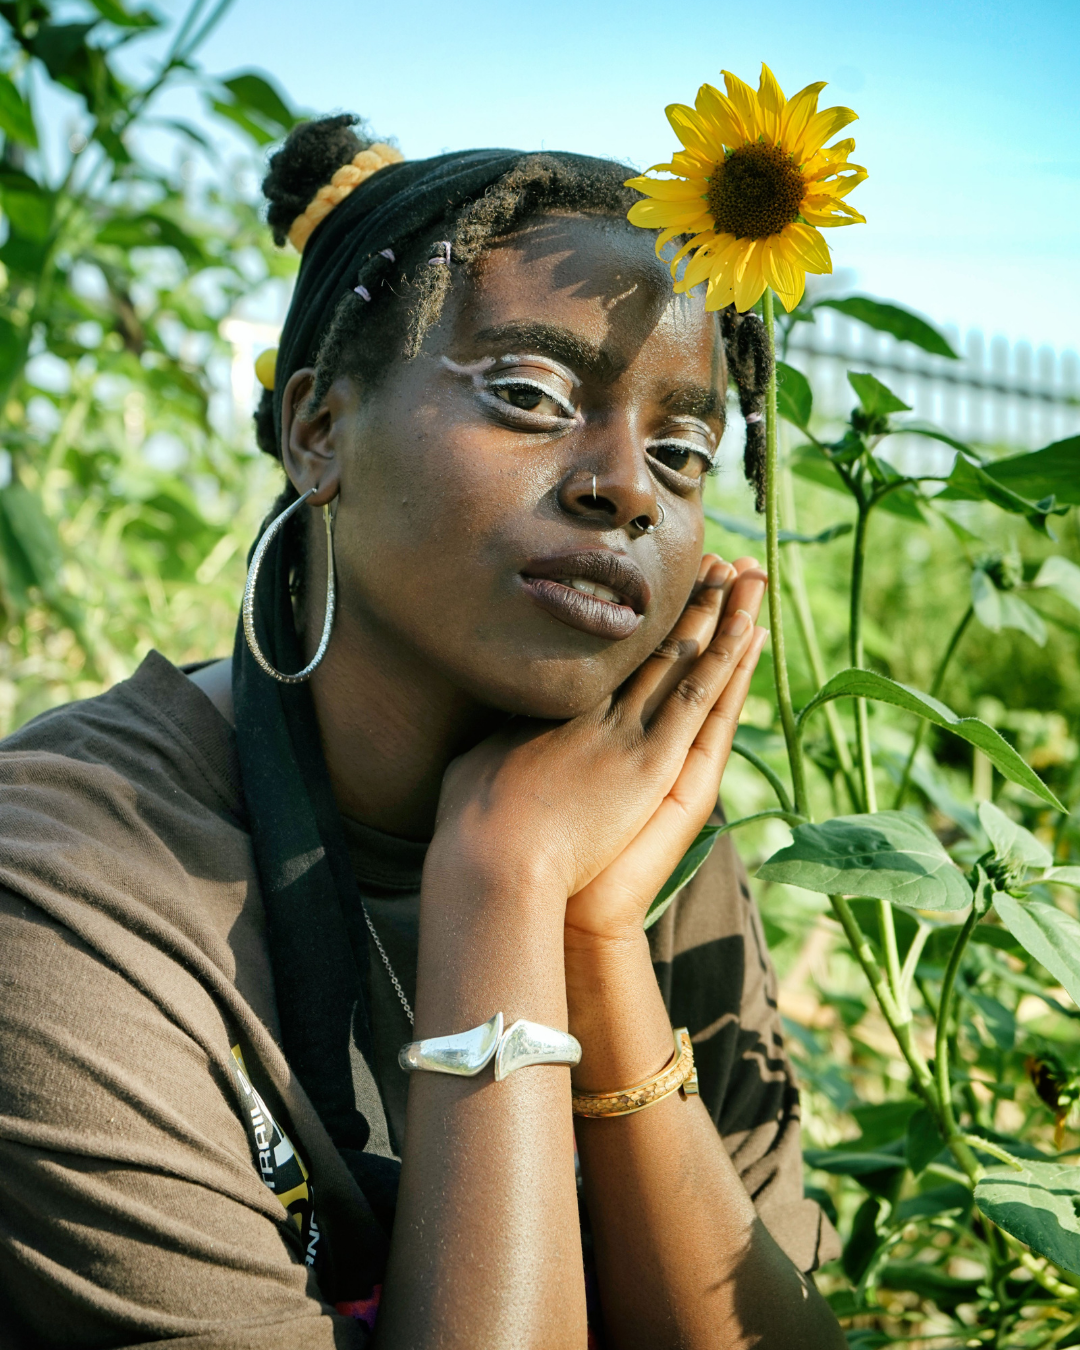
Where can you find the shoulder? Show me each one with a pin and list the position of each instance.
(121, 818)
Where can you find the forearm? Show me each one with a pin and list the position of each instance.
(486, 1247)
(682, 1258)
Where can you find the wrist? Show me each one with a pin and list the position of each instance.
(616, 1010)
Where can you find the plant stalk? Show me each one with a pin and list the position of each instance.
(804, 617)
(772, 562)
(935, 689)
(950, 1129)
(899, 1024)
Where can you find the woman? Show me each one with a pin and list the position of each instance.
(232, 897)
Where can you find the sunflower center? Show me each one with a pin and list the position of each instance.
(755, 191)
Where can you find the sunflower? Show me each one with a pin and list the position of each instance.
(752, 188)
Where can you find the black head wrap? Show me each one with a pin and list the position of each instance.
(316, 932)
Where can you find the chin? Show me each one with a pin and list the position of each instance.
(550, 690)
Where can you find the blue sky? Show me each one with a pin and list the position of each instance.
(969, 113)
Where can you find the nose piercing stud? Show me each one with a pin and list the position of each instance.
(594, 487)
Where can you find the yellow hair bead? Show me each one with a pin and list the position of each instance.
(265, 366)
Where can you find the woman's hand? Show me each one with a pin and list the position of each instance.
(616, 901)
(623, 787)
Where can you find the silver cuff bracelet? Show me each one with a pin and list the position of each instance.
(470, 1051)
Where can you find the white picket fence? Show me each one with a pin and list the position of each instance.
(1006, 397)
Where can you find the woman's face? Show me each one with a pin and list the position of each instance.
(492, 492)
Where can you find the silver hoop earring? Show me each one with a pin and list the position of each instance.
(650, 528)
(248, 607)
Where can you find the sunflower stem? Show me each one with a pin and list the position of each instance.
(772, 563)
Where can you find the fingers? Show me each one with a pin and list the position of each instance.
(675, 656)
(684, 711)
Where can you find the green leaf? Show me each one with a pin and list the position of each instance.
(923, 1142)
(1050, 935)
(877, 399)
(883, 1122)
(58, 46)
(122, 17)
(1061, 576)
(794, 399)
(1011, 842)
(1003, 609)
(691, 860)
(234, 113)
(1052, 471)
(11, 349)
(28, 206)
(931, 1283)
(746, 529)
(901, 323)
(1040, 1205)
(847, 1162)
(1063, 876)
(888, 856)
(931, 433)
(258, 94)
(939, 1200)
(16, 119)
(857, 683)
(1000, 1021)
(970, 482)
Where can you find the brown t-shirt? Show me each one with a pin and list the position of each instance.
(133, 957)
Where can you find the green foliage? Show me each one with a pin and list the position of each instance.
(126, 502)
(941, 1039)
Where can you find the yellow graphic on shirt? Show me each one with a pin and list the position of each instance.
(280, 1166)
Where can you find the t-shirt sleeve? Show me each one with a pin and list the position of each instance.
(713, 966)
(131, 1211)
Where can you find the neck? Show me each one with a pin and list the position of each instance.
(389, 726)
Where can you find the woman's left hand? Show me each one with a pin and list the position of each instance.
(614, 904)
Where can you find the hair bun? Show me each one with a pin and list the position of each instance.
(321, 162)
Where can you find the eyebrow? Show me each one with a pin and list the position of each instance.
(694, 400)
(545, 339)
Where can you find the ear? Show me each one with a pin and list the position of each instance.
(308, 449)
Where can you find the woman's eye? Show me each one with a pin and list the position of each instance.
(531, 396)
(689, 460)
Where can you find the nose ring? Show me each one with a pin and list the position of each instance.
(594, 487)
(649, 527)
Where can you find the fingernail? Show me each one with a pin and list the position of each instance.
(737, 625)
(760, 638)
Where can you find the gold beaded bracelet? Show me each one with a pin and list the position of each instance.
(679, 1075)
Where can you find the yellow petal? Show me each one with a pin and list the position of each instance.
(808, 247)
(718, 111)
(669, 189)
(720, 293)
(771, 103)
(661, 215)
(666, 236)
(818, 130)
(694, 131)
(695, 241)
(697, 269)
(744, 101)
(778, 267)
(749, 278)
(798, 112)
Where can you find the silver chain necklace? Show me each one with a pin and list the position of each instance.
(386, 962)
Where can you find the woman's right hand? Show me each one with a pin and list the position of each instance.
(556, 803)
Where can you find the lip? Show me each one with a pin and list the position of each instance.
(542, 578)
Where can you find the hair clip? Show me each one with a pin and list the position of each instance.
(442, 258)
(753, 417)
(388, 254)
(362, 292)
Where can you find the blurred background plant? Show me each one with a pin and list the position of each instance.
(128, 490)
(135, 275)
